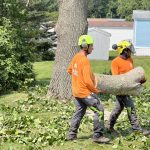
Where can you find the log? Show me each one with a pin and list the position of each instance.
(124, 84)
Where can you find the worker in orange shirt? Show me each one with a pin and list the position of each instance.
(85, 91)
(120, 65)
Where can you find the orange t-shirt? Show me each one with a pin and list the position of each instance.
(82, 77)
(121, 66)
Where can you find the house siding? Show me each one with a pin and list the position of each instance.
(118, 34)
(142, 32)
(101, 44)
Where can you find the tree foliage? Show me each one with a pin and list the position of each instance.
(116, 8)
(125, 7)
(112, 9)
(15, 50)
(19, 23)
(40, 14)
(43, 10)
(97, 8)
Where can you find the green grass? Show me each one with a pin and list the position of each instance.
(43, 71)
(11, 99)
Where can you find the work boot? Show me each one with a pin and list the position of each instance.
(110, 129)
(71, 137)
(101, 139)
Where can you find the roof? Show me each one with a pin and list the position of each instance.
(101, 22)
(141, 14)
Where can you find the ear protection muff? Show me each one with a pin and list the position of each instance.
(115, 46)
(84, 43)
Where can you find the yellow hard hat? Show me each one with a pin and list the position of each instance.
(85, 40)
(123, 45)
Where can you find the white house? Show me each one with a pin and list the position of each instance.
(101, 44)
(142, 32)
(118, 28)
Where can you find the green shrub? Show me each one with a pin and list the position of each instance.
(15, 66)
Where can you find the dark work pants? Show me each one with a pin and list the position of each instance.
(94, 104)
(121, 102)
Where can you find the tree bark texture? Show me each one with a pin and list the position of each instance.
(72, 23)
(124, 84)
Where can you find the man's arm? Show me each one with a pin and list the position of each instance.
(87, 77)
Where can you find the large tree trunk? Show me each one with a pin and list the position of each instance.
(72, 23)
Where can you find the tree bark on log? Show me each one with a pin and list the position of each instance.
(124, 84)
(72, 23)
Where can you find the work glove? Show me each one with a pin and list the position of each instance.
(143, 81)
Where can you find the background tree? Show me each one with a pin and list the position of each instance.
(97, 8)
(15, 50)
(42, 15)
(145, 4)
(72, 22)
(111, 12)
(43, 10)
(115, 8)
(19, 23)
(125, 8)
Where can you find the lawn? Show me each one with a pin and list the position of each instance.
(30, 121)
(43, 71)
